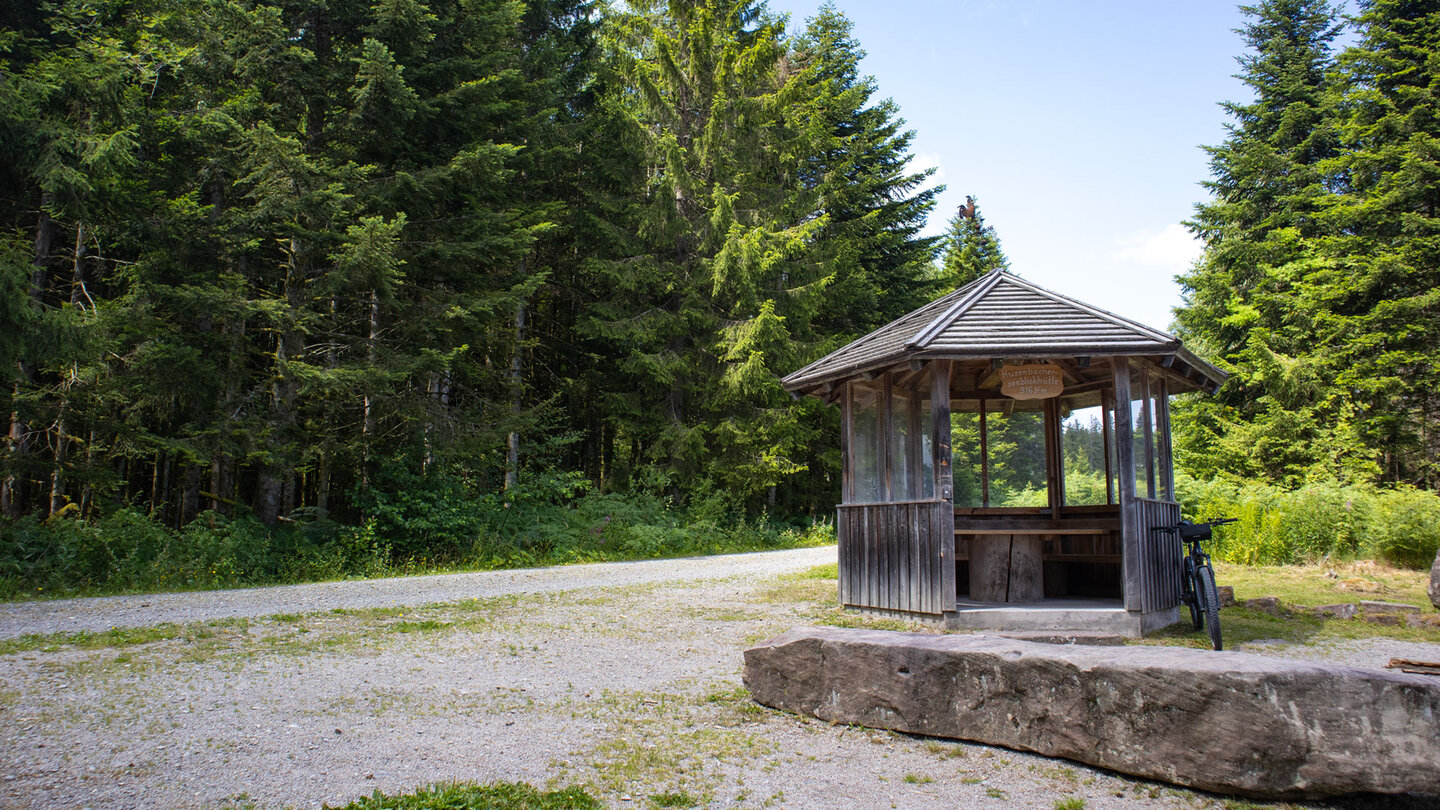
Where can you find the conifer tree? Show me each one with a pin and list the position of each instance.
(705, 313)
(1245, 300)
(876, 206)
(1377, 296)
(971, 248)
(879, 265)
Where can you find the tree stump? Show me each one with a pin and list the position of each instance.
(1435, 581)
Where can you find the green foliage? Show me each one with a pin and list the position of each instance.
(128, 551)
(1317, 286)
(1327, 520)
(414, 267)
(971, 248)
(494, 796)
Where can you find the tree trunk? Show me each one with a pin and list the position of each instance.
(57, 474)
(322, 485)
(367, 421)
(190, 497)
(218, 482)
(12, 488)
(438, 389)
(276, 488)
(517, 371)
(79, 296)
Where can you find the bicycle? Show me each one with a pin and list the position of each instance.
(1197, 581)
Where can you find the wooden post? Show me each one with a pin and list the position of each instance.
(1107, 401)
(885, 425)
(1146, 415)
(984, 458)
(943, 520)
(847, 443)
(1125, 460)
(940, 429)
(1162, 442)
(1054, 456)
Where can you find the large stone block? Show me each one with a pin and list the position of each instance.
(1225, 722)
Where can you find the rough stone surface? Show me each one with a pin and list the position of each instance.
(1342, 610)
(1370, 606)
(1423, 620)
(1266, 604)
(1226, 594)
(1435, 581)
(1095, 638)
(1225, 722)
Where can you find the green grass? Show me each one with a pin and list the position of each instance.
(1070, 803)
(89, 640)
(814, 591)
(1323, 585)
(496, 796)
(1307, 586)
(917, 779)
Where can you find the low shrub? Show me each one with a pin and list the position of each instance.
(435, 523)
(1322, 520)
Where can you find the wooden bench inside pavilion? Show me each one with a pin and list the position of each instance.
(1006, 455)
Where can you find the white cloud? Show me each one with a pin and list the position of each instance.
(928, 160)
(1174, 248)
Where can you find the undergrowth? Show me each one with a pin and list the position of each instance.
(495, 796)
(425, 531)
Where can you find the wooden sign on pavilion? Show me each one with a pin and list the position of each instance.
(1006, 453)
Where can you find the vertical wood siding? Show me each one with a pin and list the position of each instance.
(895, 556)
(1159, 556)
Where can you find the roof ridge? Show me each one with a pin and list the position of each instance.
(1118, 320)
(983, 285)
(872, 333)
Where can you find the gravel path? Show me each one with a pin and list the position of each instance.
(623, 678)
(102, 613)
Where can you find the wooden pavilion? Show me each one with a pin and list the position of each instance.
(1040, 515)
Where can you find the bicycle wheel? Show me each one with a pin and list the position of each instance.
(1209, 600)
(1189, 594)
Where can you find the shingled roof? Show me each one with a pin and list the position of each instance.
(999, 315)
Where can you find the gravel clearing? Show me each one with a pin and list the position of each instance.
(624, 678)
(102, 613)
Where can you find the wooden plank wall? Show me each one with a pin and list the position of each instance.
(894, 556)
(1159, 556)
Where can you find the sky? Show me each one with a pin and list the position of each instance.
(1078, 127)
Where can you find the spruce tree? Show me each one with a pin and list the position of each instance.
(1378, 294)
(1246, 299)
(876, 207)
(703, 314)
(971, 248)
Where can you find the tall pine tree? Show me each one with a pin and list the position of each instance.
(1380, 294)
(1245, 300)
(971, 248)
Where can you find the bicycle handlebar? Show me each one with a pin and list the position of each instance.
(1187, 525)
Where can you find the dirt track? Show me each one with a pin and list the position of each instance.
(625, 679)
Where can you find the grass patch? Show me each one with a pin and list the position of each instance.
(1070, 803)
(1308, 586)
(917, 779)
(418, 627)
(1326, 584)
(89, 640)
(495, 796)
(816, 592)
